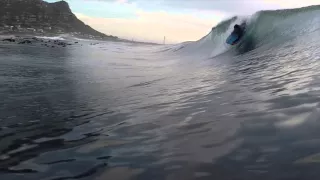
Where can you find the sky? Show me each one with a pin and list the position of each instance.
(177, 20)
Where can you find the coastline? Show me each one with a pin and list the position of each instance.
(66, 36)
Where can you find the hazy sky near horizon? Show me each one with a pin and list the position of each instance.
(178, 20)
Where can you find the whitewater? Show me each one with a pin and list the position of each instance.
(194, 110)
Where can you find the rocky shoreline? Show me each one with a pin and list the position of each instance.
(35, 40)
(23, 39)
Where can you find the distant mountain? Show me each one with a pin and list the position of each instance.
(47, 17)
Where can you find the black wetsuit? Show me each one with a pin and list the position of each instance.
(238, 31)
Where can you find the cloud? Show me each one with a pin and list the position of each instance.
(235, 7)
(121, 1)
(293, 3)
(178, 20)
(153, 26)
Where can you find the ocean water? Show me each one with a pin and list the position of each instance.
(196, 110)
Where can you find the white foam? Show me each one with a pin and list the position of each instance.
(51, 38)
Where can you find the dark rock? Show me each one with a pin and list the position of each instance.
(25, 42)
(61, 43)
(76, 42)
(9, 40)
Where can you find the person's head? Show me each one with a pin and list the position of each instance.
(236, 26)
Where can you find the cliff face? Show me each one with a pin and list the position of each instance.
(51, 17)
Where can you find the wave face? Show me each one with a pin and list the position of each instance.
(265, 28)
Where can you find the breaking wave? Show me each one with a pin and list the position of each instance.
(264, 28)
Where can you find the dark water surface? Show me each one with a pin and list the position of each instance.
(122, 111)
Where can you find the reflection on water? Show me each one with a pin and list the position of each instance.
(116, 111)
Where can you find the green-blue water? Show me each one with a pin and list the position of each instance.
(188, 111)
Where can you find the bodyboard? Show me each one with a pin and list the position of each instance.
(232, 39)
